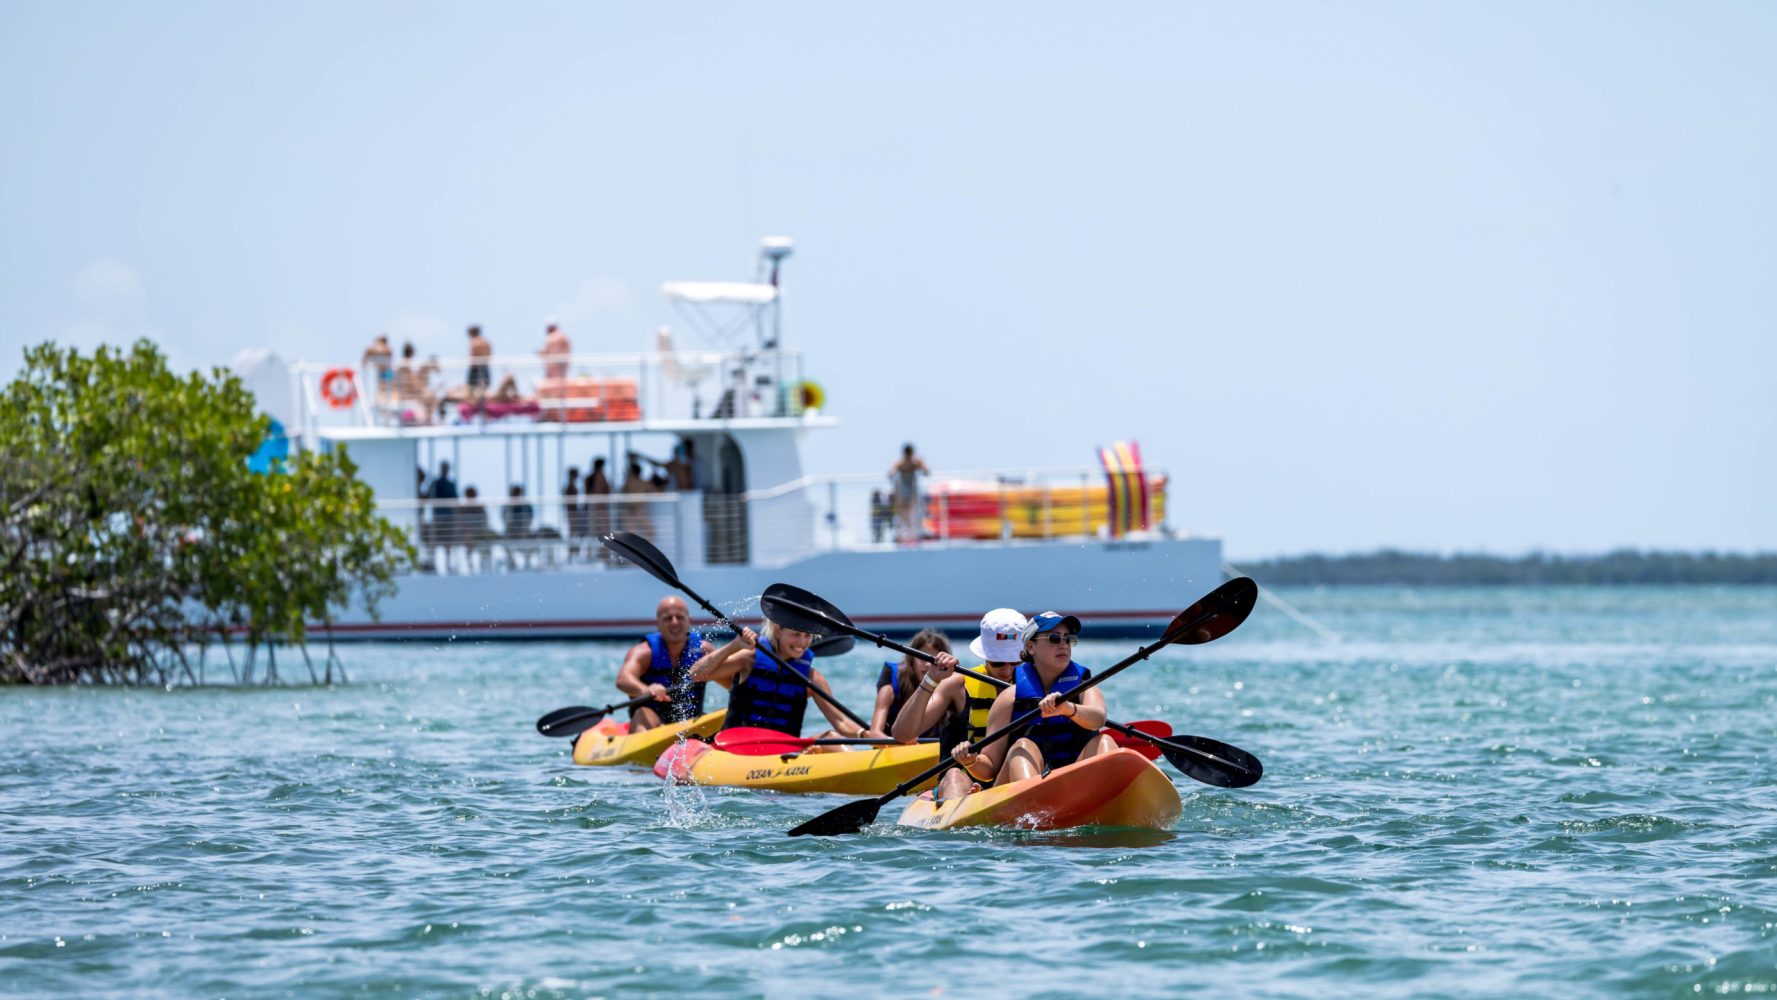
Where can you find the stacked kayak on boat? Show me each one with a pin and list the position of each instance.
(867, 771)
(610, 742)
(1121, 788)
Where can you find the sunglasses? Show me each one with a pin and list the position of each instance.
(1056, 639)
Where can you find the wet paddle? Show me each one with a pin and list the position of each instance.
(1219, 612)
(833, 645)
(1206, 760)
(638, 550)
(1209, 761)
(576, 719)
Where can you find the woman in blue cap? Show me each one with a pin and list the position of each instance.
(1068, 731)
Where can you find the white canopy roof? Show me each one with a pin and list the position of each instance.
(746, 293)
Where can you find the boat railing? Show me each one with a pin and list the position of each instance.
(587, 389)
(503, 534)
(780, 524)
(954, 508)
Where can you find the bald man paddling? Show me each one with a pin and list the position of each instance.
(661, 665)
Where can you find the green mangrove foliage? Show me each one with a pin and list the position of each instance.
(131, 526)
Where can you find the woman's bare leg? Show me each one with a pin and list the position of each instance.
(1023, 761)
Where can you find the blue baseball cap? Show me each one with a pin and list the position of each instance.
(1049, 621)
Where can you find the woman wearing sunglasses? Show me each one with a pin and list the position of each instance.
(1068, 731)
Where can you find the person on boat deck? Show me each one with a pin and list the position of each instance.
(379, 361)
(1067, 731)
(901, 678)
(661, 665)
(480, 375)
(957, 706)
(905, 474)
(556, 351)
(758, 692)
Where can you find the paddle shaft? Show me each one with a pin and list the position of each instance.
(886, 643)
(794, 674)
(598, 713)
(920, 654)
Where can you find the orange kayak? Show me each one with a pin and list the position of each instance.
(1121, 788)
(610, 742)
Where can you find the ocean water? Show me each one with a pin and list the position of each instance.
(1479, 792)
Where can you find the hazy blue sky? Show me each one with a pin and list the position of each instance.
(1482, 275)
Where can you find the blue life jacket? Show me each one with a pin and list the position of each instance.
(1058, 736)
(891, 678)
(687, 698)
(767, 698)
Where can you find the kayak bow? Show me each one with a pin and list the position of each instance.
(1121, 788)
(610, 743)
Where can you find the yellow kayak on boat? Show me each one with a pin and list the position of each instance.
(1121, 788)
(866, 771)
(611, 742)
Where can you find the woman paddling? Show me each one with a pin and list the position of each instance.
(759, 692)
(957, 706)
(900, 680)
(1068, 731)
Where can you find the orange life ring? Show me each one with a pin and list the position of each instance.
(339, 388)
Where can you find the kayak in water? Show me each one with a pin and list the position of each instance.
(611, 742)
(871, 771)
(1120, 788)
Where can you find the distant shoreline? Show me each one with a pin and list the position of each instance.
(1620, 568)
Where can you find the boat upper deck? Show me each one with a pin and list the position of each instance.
(667, 391)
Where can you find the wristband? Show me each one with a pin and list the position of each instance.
(927, 683)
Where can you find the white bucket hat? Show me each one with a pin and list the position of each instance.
(999, 641)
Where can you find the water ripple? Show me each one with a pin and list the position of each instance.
(1481, 794)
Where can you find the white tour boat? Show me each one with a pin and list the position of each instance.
(738, 511)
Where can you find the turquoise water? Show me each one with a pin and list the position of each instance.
(1478, 793)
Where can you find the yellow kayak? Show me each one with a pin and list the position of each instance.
(611, 742)
(867, 771)
(1121, 788)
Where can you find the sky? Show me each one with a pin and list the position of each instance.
(1459, 276)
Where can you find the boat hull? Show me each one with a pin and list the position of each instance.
(1121, 788)
(1121, 589)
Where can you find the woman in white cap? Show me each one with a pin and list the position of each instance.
(1068, 731)
(958, 705)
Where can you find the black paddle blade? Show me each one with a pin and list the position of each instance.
(1211, 761)
(636, 549)
(848, 818)
(1216, 614)
(793, 607)
(570, 721)
(833, 645)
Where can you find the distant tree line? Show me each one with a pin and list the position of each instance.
(1624, 566)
